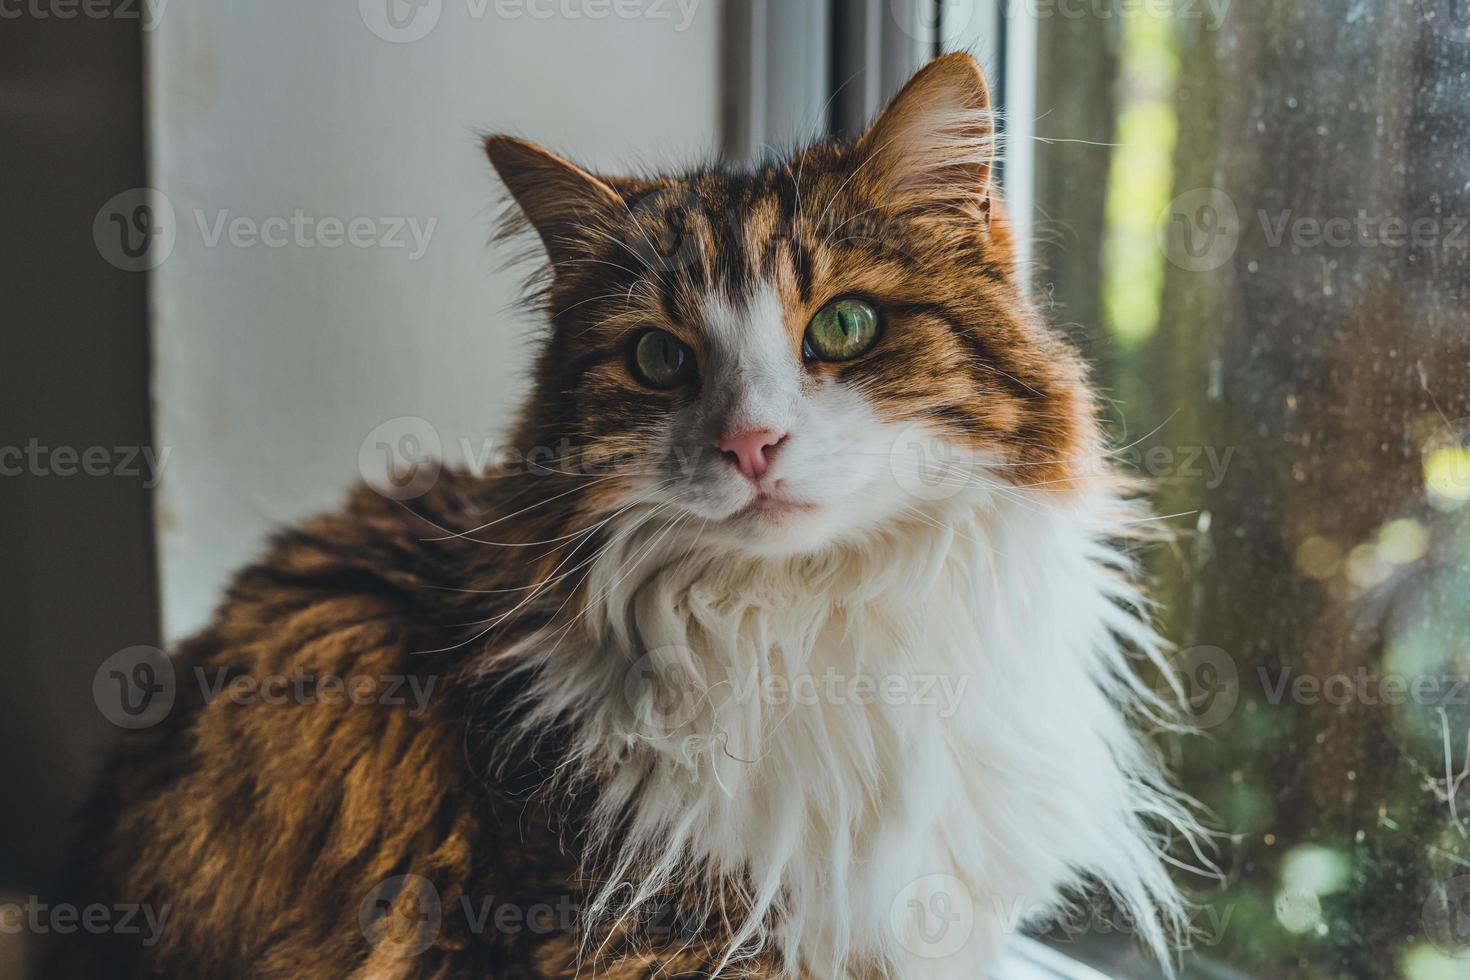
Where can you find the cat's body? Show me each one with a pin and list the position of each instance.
(268, 831)
(845, 696)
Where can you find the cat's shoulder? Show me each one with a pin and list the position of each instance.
(376, 564)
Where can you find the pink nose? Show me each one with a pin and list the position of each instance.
(748, 449)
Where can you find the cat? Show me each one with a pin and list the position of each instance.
(803, 651)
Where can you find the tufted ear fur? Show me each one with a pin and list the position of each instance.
(933, 146)
(559, 199)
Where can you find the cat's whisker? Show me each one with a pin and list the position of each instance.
(694, 542)
(647, 267)
(1154, 519)
(627, 567)
(581, 303)
(615, 318)
(501, 617)
(1059, 458)
(950, 528)
(568, 263)
(874, 155)
(828, 240)
(448, 534)
(553, 577)
(652, 250)
(567, 627)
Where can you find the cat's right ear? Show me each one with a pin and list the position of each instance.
(558, 198)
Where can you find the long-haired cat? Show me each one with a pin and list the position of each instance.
(801, 650)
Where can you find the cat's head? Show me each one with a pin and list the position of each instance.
(805, 352)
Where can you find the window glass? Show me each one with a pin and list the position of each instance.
(1253, 215)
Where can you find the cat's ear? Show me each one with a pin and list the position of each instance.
(934, 145)
(559, 199)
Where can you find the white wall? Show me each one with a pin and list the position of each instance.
(272, 364)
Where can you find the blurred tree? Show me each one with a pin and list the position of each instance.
(1308, 333)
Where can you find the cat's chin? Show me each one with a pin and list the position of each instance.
(780, 529)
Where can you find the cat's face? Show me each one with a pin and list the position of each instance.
(793, 356)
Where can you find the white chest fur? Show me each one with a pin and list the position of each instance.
(897, 752)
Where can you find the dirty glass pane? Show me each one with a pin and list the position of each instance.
(1258, 229)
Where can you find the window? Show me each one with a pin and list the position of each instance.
(1253, 214)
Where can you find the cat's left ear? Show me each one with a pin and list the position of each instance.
(562, 201)
(934, 145)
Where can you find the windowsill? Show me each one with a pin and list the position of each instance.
(1030, 960)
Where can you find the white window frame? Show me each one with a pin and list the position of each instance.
(1031, 960)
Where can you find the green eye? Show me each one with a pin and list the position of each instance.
(841, 330)
(662, 360)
